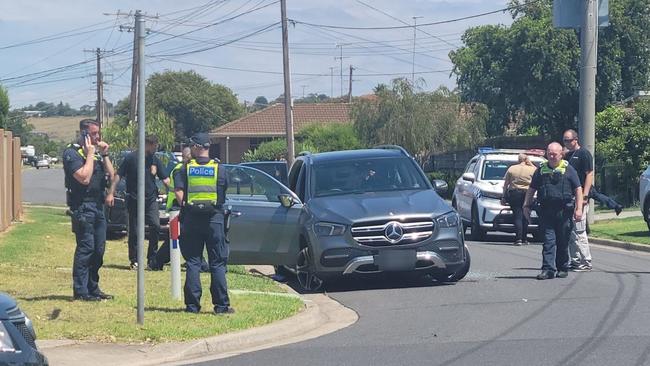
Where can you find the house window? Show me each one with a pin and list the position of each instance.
(256, 141)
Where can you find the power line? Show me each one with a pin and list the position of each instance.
(55, 37)
(259, 31)
(420, 25)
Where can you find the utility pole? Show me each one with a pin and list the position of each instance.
(134, 76)
(341, 66)
(415, 26)
(350, 88)
(100, 90)
(588, 54)
(303, 90)
(331, 82)
(139, 36)
(288, 108)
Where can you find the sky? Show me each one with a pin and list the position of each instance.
(236, 43)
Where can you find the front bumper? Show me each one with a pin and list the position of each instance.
(342, 255)
(495, 216)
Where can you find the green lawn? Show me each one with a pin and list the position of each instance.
(35, 268)
(633, 230)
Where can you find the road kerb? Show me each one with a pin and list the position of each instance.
(620, 244)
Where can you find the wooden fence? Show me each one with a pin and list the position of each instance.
(11, 206)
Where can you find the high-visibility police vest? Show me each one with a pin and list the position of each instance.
(555, 188)
(171, 196)
(75, 192)
(202, 182)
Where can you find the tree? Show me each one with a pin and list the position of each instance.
(622, 136)
(528, 74)
(125, 137)
(4, 107)
(423, 123)
(196, 104)
(329, 137)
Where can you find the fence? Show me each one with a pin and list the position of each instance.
(11, 207)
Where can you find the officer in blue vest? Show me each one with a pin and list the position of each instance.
(200, 188)
(559, 196)
(88, 169)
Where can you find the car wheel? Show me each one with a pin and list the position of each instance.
(478, 233)
(307, 279)
(460, 273)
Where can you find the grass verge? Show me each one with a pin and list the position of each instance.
(35, 268)
(633, 230)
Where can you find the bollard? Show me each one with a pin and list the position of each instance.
(175, 253)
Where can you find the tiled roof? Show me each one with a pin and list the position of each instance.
(270, 121)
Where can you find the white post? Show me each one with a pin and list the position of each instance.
(175, 253)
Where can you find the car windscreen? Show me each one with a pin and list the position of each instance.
(366, 175)
(495, 169)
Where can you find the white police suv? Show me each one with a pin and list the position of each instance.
(478, 192)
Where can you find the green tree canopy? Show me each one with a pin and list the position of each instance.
(4, 107)
(196, 104)
(527, 74)
(422, 122)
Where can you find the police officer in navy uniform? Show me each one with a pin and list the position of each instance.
(559, 196)
(200, 187)
(88, 169)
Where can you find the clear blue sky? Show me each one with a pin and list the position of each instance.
(313, 49)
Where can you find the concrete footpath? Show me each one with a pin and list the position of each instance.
(322, 315)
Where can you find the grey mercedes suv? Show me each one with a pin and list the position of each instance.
(345, 213)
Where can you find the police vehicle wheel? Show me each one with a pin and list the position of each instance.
(477, 231)
(458, 275)
(307, 279)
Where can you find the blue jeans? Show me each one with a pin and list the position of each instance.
(90, 232)
(557, 226)
(606, 200)
(198, 232)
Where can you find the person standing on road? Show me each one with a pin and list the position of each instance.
(559, 195)
(201, 187)
(88, 169)
(129, 170)
(517, 181)
(582, 160)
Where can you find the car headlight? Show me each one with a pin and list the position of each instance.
(328, 229)
(450, 219)
(493, 195)
(6, 345)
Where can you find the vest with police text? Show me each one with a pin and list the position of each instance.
(555, 189)
(202, 182)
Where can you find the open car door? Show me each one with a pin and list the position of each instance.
(262, 230)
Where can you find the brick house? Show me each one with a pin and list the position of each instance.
(232, 140)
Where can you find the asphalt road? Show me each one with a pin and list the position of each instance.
(498, 315)
(44, 186)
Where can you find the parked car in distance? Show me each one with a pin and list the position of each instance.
(17, 336)
(276, 169)
(43, 161)
(478, 192)
(345, 213)
(644, 195)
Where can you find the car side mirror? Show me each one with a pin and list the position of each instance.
(440, 186)
(286, 200)
(470, 177)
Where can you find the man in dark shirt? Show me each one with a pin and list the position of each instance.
(200, 188)
(129, 170)
(582, 160)
(559, 195)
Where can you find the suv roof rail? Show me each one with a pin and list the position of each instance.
(392, 147)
